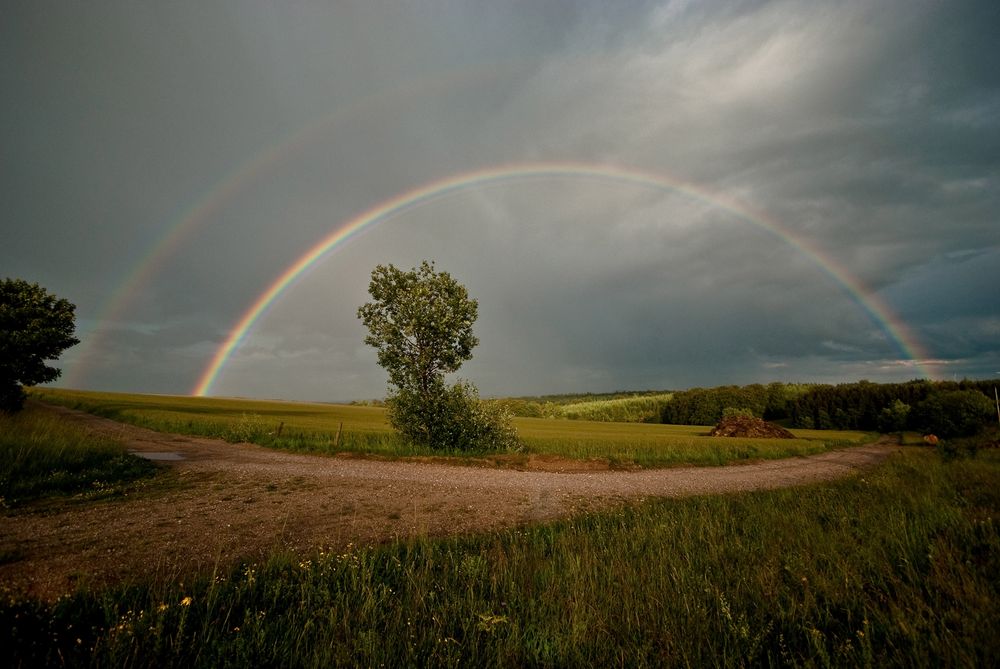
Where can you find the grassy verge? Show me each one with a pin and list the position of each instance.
(893, 568)
(328, 428)
(41, 455)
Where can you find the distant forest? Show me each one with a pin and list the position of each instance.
(886, 407)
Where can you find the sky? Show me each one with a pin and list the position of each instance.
(818, 199)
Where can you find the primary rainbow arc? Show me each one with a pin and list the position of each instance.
(879, 312)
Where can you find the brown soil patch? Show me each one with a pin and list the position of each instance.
(747, 426)
(216, 504)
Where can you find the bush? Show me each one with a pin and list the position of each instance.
(454, 418)
(954, 413)
(893, 418)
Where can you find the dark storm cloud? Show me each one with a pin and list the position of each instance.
(867, 131)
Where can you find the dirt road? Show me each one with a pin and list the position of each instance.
(240, 501)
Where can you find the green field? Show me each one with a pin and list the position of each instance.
(895, 566)
(313, 428)
(41, 455)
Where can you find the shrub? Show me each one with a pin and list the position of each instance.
(954, 413)
(454, 418)
(893, 417)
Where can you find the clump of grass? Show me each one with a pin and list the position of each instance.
(42, 455)
(249, 427)
(895, 567)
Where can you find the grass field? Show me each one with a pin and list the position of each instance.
(896, 567)
(363, 429)
(41, 455)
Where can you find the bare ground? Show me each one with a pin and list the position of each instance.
(219, 503)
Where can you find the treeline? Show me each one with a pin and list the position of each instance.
(948, 408)
(705, 406)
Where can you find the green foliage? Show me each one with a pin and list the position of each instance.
(636, 409)
(734, 412)
(864, 405)
(705, 406)
(35, 326)
(894, 417)
(955, 413)
(622, 406)
(452, 416)
(420, 322)
(526, 408)
(41, 454)
(895, 567)
(860, 406)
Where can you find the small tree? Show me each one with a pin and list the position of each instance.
(35, 326)
(420, 322)
(953, 413)
(893, 418)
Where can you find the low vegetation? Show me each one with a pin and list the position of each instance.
(330, 428)
(637, 409)
(894, 567)
(41, 455)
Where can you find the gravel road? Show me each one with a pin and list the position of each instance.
(230, 502)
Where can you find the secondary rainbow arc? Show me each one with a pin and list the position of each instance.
(188, 219)
(873, 306)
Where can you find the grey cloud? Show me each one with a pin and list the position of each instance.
(868, 132)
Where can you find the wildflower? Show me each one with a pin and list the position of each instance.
(186, 601)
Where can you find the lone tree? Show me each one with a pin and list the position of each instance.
(420, 322)
(35, 326)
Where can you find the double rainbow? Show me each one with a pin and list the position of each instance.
(873, 306)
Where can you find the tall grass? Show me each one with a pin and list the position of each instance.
(41, 454)
(893, 568)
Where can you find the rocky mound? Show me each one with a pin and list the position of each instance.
(743, 426)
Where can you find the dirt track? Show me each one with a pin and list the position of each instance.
(239, 501)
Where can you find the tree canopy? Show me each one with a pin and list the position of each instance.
(420, 323)
(35, 326)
